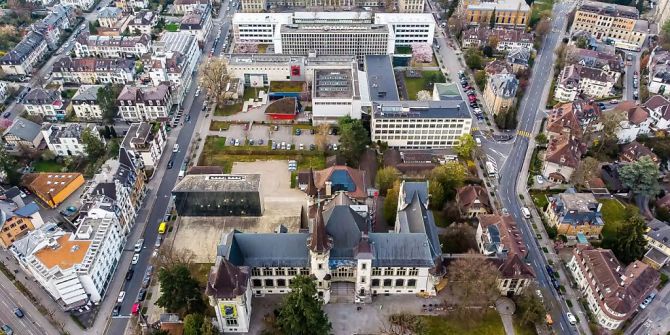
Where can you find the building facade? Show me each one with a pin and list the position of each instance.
(145, 142)
(21, 60)
(85, 102)
(508, 13)
(45, 103)
(500, 92)
(145, 103)
(91, 70)
(66, 139)
(174, 60)
(616, 24)
(575, 213)
(111, 46)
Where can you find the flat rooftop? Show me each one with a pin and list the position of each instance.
(333, 84)
(218, 183)
(381, 79)
(334, 28)
(455, 109)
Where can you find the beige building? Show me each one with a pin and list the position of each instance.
(508, 13)
(500, 92)
(609, 22)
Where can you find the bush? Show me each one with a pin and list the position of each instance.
(569, 303)
(664, 280)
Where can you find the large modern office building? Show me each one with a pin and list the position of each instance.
(334, 33)
(403, 6)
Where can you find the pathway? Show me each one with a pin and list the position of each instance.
(505, 307)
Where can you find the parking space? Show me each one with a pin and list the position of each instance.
(268, 133)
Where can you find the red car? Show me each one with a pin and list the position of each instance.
(472, 98)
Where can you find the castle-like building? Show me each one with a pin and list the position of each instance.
(348, 261)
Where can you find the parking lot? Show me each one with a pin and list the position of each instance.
(267, 133)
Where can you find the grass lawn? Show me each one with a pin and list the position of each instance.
(47, 166)
(539, 7)
(303, 127)
(540, 198)
(614, 213)
(491, 324)
(414, 85)
(287, 86)
(252, 92)
(215, 152)
(226, 109)
(219, 125)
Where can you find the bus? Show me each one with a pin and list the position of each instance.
(161, 228)
(491, 170)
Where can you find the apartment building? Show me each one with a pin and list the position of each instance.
(81, 4)
(145, 103)
(616, 24)
(52, 188)
(145, 142)
(108, 16)
(174, 60)
(575, 213)
(75, 268)
(562, 157)
(183, 7)
(45, 103)
(659, 71)
(500, 92)
(508, 13)
(21, 60)
(22, 134)
(507, 39)
(111, 46)
(345, 262)
(420, 124)
(658, 240)
(576, 80)
(659, 111)
(610, 62)
(613, 292)
(572, 118)
(66, 139)
(197, 23)
(91, 70)
(60, 17)
(143, 22)
(17, 221)
(333, 33)
(85, 102)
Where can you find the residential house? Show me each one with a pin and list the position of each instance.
(198, 23)
(561, 158)
(659, 71)
(66, 139)
(108, 16)
(657, 106)
(613, 292)
(60, 17)
(609, 62)
(472, 201)
(3, 90)
(22, 134)
(175, 57)
(53, 188)
(613, 24)
(634, 151)
(129, 5)
(145, 142)
(44, 103)
(506, 13)
(498, 66)
(499, 237)
(507, 40)
(111, 46)
(17, 221)
(500, 92)
(572, 213)
(577, 80)
(572, 118)
(81, 4)
(184, 7)
(145, 103)
(519, 58)
(143, 22)
(637, 123)
(91, 70)
(119, 28)
(85, 102)
(22, 59)
(406, 162)
(658, 241)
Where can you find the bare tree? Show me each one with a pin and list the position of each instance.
(587, 169)
(473, 280)
(610, 123)
(214, 77)
(168, 257)
(321, 136)
(542, 28)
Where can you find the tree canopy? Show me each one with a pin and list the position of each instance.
(179, 291)
(391, 202)
(214, 77)
(630, 243)
(93, 146)
(106, 99)
(465, 146)
(385, 178)
(641, 177)
(300, 312)
(530, 308)
(473, 59)
(353, 139)
(197, 324)
(474, 280)
(451, 176)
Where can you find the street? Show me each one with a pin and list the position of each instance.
(33, 322)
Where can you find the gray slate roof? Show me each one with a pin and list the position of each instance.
(409, 249)
(268, 250)
(504, 85)
(345, 227)
(416, 218)
(24, 129)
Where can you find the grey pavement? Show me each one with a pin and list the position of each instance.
(505, 307)
(653, 319)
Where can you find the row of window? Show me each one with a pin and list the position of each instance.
(406, 126)
(425, 132)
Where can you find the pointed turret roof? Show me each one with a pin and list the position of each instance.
(319, 241)
(227, 281)
(311, 189)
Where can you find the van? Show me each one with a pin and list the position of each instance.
(526, 212)
(175, 148)
(478, 141)
(162, 227)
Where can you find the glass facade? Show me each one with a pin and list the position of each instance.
(218, 203)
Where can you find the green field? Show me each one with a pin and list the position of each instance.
(491, 324)
(226, 110)
(219, 125)
(428, 78)
(614, 215)
(47, 166)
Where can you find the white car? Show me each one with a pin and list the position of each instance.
(136, 258)
(122, 295)
(571, 318)
(539, 179)
(139, 245)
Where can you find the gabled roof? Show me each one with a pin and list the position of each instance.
(469, 195)
(345, 226)
(564, 150)
(400, 250)
(343, 178)
(637, 115)
(514, 267)
(416, 218)
(633, 151)
(267, 250)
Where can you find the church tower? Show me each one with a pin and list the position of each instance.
(319, 244)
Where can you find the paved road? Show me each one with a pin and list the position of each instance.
(33, 323)
(118, 324)
(628, 76)
(654, 318)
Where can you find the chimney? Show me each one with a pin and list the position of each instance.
(329, 188)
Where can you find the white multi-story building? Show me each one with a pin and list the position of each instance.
(403, 6)
(21, 60)
(108, 16)
(111, 46)
(81, 4)
(3, 90)
(198, 23)
(335, 93)
(334, 33)
(145, 103)
(92, 70)
(183, 7)
(85, 102)
(420, 124)
(613, 292)
(143, 22)
(345, 260)
(45, 103)
(74, 268)
(66, 139)
(576, 79)
(145, 143)
(175, 59)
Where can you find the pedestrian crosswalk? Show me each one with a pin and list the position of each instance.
(523, 133)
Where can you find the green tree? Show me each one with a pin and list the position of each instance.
(179, 291)
(391, 203)
(107, 101)
(193, 324)
(480, 79)
(641, 177)
(436, 191)
(662, 213)
(9, 168)
(582, 42)
(300, 312)
(385, 178)
(492, 20)
(451, 176)
(530, 308)
(465, 146)
(630, 242)
(353, 139)
(541, 139)
(93, 146)
(473, 59)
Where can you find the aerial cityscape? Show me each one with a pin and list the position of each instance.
(392, 167)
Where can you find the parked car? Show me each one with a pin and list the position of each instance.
(129, 274)
(136, 258)
(122, 295)
(18, 312)
(648, 300)
(116, 311)
(7, 329)
(298, 131)
(6, 115)
(141, 294)
(539, 179)
(158, 241)
(571, 318)
(139, 245)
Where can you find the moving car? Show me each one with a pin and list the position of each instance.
(116, 311)
(18, 312)
(139, 245)
(136, 258)
(571, 318)
(170, 164)
(175, 148)
(122, 295)
(129, 274)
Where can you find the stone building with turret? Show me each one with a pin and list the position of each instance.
(348, 261)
